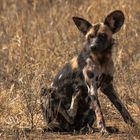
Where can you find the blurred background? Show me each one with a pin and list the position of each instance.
(37, 37)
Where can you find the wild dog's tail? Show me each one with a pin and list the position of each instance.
(43, 91)
(45, 102)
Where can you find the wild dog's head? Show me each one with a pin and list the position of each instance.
(99, 36)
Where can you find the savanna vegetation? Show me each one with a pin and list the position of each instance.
(37, 37)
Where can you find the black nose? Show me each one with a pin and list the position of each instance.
(93, 48)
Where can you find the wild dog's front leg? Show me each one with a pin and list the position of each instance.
(97, 108)
(74, 104)
(108, 89)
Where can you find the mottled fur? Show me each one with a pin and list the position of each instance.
(73, 101)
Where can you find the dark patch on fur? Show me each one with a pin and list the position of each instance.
(97, 85)
(82, 57)
(90, 74)
(106, 78)
(118, 105)
(96, 79)
(66, 72)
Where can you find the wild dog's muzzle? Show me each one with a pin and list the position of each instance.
(100, 43)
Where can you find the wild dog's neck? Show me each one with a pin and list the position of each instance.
(103, 56)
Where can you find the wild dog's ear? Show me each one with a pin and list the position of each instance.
(115, 20)
(82, 24)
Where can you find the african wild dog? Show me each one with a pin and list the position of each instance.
(74, 90)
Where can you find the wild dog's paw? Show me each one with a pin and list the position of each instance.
(105, 132)
(71, 120)
(111, 129)
(87, 130)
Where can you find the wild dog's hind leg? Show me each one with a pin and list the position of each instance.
(64, 113)
(108, 89)
(51, 105)
(74, 103)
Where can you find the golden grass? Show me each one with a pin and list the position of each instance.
(38, 37)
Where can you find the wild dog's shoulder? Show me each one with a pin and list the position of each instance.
(68, 73)
(72, 69)
(63, 74)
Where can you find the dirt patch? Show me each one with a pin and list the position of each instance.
(38, 134)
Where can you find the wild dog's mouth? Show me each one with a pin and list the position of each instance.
(98, 47)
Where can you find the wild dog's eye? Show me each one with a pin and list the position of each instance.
(102, 35)
(91, 36)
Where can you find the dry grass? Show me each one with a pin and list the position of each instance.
(38, 37)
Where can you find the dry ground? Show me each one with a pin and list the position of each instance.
(37, 37)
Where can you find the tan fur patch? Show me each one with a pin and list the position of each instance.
(93, 30)
(74, 63)
(102, 29)
(105, 29)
